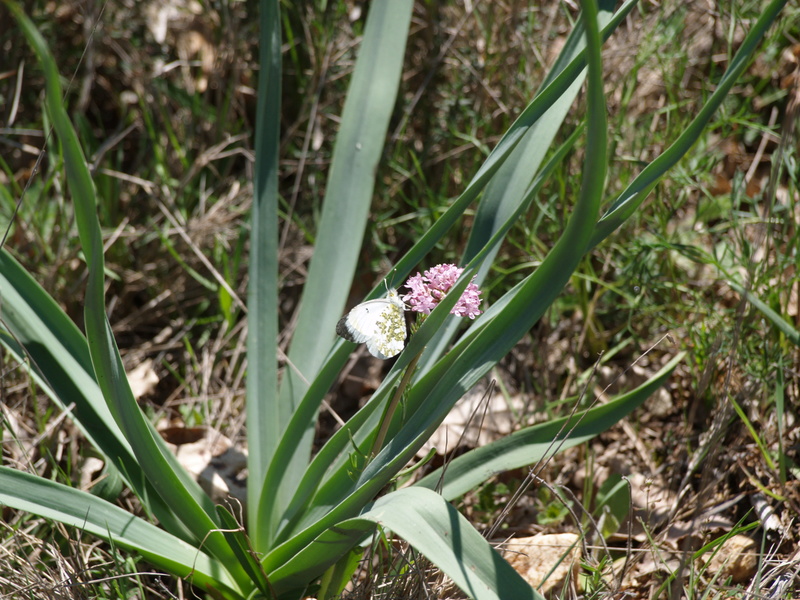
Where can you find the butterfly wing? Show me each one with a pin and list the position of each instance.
(360, 324)
(378, 323)
(390, 338)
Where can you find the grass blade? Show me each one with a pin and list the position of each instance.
(792, 334)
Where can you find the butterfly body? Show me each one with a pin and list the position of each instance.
(380, 324)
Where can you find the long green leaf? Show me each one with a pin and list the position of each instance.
(93, 515)
(266, 415)
(365, 120)
(192, 506)
(359, 143)
(242, 547)
(538, 442)
(60, 362)
(430, 525)
(436, 323)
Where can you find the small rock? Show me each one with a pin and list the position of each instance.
(554, 556)
(737, 558)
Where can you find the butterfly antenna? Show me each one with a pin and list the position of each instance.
(394, 272)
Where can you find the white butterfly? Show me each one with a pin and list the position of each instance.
(380, 323)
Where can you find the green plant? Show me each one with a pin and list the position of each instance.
(304, 514)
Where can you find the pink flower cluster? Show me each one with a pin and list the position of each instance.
(429, 289)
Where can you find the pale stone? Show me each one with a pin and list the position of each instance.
(737, 558)
(553, 556)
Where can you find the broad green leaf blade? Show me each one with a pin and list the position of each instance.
(29, 493)
(553, 90)
(341, 487)
(336, 578)
(359, 143)
(434, 528)
(240, 543)
(331, 369)
(537, 443)
(192, 506)
(59, 357)
(60, 362)
(792, 334)
(630, 199)
(266, 413)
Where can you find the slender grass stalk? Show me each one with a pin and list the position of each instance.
(391, 408)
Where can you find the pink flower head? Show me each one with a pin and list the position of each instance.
(429, 289)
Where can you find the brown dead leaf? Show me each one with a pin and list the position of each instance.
(211, 458)
(90, 467)
(143, 378)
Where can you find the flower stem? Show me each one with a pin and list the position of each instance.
(386, 419)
